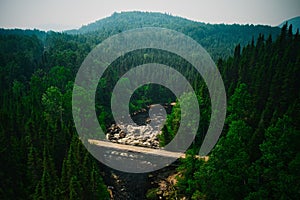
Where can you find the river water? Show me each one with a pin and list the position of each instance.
(134, 186)
(131, 186)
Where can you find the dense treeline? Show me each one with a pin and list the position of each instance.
(42, 157)
(218, 39)
(258, 155)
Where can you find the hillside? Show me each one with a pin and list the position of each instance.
(295, 23)
(218, 39)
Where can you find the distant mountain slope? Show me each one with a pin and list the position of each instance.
(294, 21)
(135, 19)
(40, 34)
(218, 39)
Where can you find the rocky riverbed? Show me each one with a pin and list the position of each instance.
(129, 186)
(143, 132)
(143, 136)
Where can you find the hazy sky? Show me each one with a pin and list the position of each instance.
(67, 14)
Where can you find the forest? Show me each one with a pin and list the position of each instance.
(256, 157)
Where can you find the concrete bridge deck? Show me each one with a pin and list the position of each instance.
(137, 149)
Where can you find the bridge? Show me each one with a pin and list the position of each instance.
(137, 149)
(134, 158)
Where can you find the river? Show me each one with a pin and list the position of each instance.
(134, 186)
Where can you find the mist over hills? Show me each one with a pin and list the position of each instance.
(218, 39)
(136, 19)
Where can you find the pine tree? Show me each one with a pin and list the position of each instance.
(33, 173)
(226, 169)
(47, 187)
(75, 189)
(281, 160)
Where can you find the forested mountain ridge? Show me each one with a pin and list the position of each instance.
(294, 21)
(218, 39)
(40, 34)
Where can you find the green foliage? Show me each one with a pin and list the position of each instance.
(240, 104)
(171, 127)
(39, 158)
(280, 160)
(187, 184)
(219, 40)
(52, 102)
(257, 156)
(151, 194)
(228, 165)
